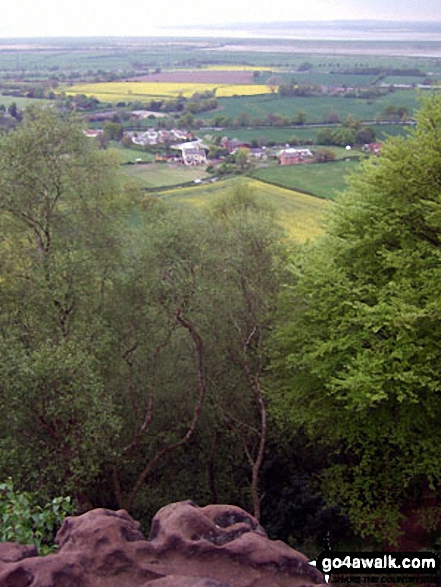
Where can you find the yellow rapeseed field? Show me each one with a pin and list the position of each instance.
(120, 91)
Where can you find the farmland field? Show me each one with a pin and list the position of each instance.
(122, 155)
(316, 108)
(155, 175)
(199, 76)
(19, 101)
(325, 180)
(118, 91)
(282, 134)
(298, 214)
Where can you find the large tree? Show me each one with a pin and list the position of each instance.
(59, 200)
(358, 349)
(201, 311)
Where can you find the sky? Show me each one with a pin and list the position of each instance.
(41, 18)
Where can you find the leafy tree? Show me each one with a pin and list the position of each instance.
(113, 130)
(324, 136)
(195, 325)
(242, 157)
(366, 134)
(359, 338)
(324, 155)
(300, 118)
(343, 136)
(59, 203)
(13, 110)
(252, 278)
(273, 82)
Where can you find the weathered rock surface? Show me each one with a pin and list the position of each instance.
(188, 546)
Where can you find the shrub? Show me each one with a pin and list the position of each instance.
(23, 520)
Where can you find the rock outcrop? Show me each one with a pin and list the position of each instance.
(188, 546)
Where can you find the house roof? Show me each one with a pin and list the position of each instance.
(190, 145)
(291, 152)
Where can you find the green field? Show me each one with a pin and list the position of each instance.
(263, 134)
(124, 155)
(20, 102)
(324, 180)
(300, 215)
(155, 175)
(316, 108)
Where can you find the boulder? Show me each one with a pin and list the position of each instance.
(188, 546)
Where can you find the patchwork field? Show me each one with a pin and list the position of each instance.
(120, 91)
(300, 215)
(200, 76)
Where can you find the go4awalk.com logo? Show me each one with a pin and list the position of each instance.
(378, 563)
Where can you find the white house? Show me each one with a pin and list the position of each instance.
(193, 152)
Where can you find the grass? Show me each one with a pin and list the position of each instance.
(316, 108)
(155, 175)
(125, 155)
(119, 91)
(299, 215)
(21, 102)
(325, 180)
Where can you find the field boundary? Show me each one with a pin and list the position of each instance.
(279, 185)
(187, 184)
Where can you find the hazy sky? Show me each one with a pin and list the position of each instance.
(23, 18)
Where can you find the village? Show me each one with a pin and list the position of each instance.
(215, 154)
(184, 147)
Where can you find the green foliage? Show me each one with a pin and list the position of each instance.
(359, 339)
(341, 136)
(59, 206)
(221, 271)
(97, 370)
(23, 520)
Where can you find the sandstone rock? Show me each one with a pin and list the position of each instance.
(11, 552)
(188, 546)
(180, 581)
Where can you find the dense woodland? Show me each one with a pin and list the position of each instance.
(151, 353)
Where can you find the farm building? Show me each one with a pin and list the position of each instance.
(233, 144)
(293, 156)
(258, 152)
(150, 137)
(153, 137)
(193, 152)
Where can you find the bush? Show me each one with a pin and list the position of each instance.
(22, 520)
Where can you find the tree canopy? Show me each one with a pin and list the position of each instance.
(127, 330)
(358, 347)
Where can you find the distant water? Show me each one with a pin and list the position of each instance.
(326, 31)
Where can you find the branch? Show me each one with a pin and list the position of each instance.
(149, 408)
(201, 382)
